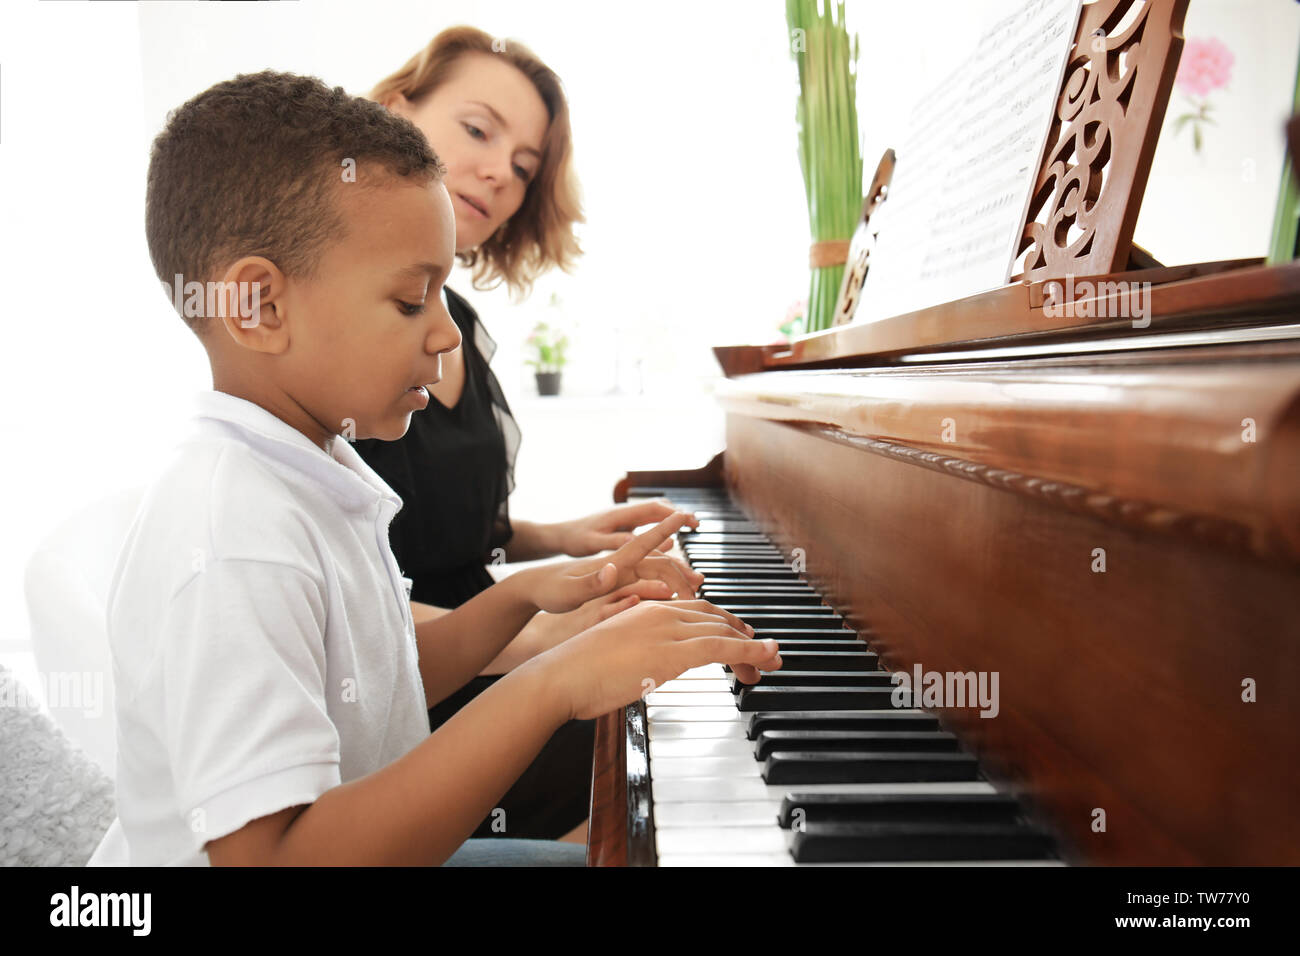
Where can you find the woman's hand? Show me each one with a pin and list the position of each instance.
(630, 654)
(607, 530)
(563, 587)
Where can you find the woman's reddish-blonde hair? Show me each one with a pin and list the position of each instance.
(540, 234)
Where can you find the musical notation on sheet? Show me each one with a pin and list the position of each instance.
(967, 166)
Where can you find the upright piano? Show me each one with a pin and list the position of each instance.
(1097, 518)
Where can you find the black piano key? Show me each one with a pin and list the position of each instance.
(713, 556)
(899, 808)
(695, 542)
(786, 678)
(759, 588)
(833, 648)
(724, 581)
(804, 766)
(840, 720)
(801, 620)
(750, 570)
(772, 741)
(795, 657)
(721, 526)
(723, 539)
(805, 633)
(754, 610)
(762, 587)
(857, 842)
(758, 697)
(785, 599)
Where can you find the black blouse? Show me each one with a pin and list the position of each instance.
(454, 471)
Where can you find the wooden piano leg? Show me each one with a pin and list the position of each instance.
(607, 822)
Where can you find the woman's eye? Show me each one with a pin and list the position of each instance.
(474, 131)
(407, 308)
(523, 173)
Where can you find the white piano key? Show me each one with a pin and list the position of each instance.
(697, 730)
(704, 747)
(741, 840)
(676, 768)
(700, 685)
(680, 712)
(669, 699)
(738, 814)
(718, 859)
(707, 672)
(726, 789)
(785, 859)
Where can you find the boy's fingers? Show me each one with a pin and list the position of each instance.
(704, 611)
(746, 673)
(640, 546)
(735, 650)
(609, 610)
(601, 580)
(648, 588)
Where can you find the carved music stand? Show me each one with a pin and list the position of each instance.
(1095, 164)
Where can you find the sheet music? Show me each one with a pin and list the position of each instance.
(966, 170)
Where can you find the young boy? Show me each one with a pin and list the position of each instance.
(272, 687)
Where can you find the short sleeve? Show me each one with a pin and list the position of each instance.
(243, 677)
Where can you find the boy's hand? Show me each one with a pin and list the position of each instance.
(630, 654)
(563, 587)
(548, 630)
(611, 529)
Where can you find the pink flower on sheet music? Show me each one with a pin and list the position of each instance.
(1206, 64)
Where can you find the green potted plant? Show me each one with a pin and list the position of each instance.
(547, 346)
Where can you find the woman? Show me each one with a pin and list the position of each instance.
(499, 121)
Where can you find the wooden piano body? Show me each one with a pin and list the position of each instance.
(1107, 515)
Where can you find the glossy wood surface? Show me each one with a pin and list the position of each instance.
(1199, 296)
(1120, 691)
(1188, 443)
(606, 822)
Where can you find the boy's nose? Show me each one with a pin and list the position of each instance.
(444, 336)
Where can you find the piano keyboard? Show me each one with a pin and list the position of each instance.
(812, 765)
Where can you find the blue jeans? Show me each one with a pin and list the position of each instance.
(503, 851)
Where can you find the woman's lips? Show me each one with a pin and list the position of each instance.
(471, 207)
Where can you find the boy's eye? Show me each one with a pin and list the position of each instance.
(407, 308)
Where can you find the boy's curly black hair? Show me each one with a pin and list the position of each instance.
(246, 168)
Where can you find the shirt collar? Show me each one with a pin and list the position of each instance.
(342, 471)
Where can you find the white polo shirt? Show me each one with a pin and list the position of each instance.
(263, 646)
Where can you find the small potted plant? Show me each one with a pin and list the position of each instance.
(547, 346)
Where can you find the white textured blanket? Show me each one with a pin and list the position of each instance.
(55, 802)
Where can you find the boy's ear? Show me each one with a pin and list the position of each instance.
(254, 293)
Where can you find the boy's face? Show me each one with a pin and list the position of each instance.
(358, 340)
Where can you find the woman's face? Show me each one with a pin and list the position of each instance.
(486, 124)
